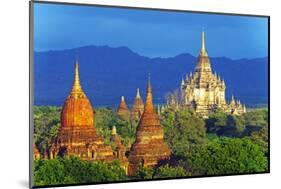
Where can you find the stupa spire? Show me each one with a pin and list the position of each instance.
(203, 49)
(148, 103)
(76, 88)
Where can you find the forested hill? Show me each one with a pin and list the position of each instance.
(107, 73)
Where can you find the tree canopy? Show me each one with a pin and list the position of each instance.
(70, 170)
(224, 155)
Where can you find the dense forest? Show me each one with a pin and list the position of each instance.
(221, 144)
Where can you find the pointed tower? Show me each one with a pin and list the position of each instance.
(158, 110)
(203, 62)
(232, 102)
(138, 107)
(186, 77)
(77, 135)
(182, 81)
(149, 147)
(123, 110)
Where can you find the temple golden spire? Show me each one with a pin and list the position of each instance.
(76, 88)
(203, 49)
(149, 103)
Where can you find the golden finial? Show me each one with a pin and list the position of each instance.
(122, 98)
(203, 49)
(76, 88)
(149, 90)
(148, 103)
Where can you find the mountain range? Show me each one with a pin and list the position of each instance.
(107, 73)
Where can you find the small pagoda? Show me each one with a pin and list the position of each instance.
(138, 107)
(123, 110)
(149, 147)
(118, 149)
(77, 135)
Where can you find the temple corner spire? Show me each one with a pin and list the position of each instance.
(138, 93)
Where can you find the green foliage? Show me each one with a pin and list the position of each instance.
(144, 173)
(105, 119)
(183, 129)
(237, 122)
(195, 151)
(164, 171)
(227, 156)
(70, 170)
(258, 117)
(234, 125)
(261, 138)
(46, 125)
(217, 118)
(167, 171)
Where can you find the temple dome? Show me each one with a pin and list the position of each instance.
(77, 109)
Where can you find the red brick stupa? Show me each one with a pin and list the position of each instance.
(77, 135)
(149, 147)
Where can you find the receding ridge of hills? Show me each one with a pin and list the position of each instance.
(107, 73)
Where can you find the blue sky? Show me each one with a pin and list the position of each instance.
(148, 32)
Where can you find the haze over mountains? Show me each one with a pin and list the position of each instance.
(107, 73)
